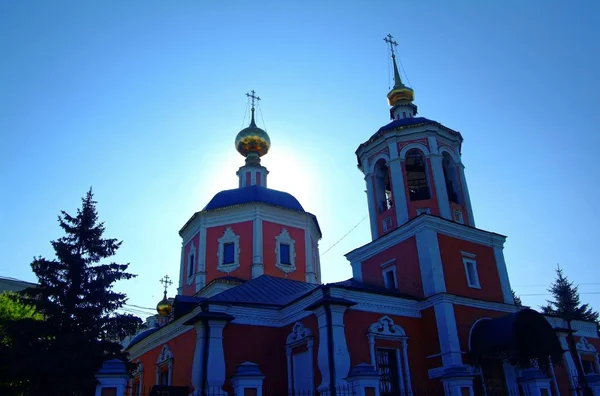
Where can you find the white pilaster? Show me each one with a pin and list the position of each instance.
(399, 193)
(198, 353)
(181, 271)
(372, 206)
(503, 275)
(406, 365)
(341, 357)
(258, 267)
(467, 196)
(448, 334)
(215, 371)
(430, 262)
(439, 182)
(568, 358)
(310, 276)
(201, 274)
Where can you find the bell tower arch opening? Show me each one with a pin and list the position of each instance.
(451, 178)
(383, 186)
(416, 176)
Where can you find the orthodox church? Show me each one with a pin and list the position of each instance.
(429, 307)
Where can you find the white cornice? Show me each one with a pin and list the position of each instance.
(469, 302)
(247, 212)
(383, 304)
(422, 223)
(583, 329)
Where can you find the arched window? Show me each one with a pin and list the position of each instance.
(383, 186)
(450, 175)
(416, 176)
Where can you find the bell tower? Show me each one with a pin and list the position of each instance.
(412, 165)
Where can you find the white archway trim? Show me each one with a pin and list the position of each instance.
(375, 160)
(286, 239)
(386, 329)
(299, 336)
(165, 358)
(411, 146)
(446, 149)
(229, 237)
(192, 259)
(471, 330)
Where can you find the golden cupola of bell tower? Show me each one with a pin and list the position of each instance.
(400, 97)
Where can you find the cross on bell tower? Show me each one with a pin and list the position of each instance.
(393, 44)
(253, 97)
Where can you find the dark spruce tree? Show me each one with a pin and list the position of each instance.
(567, 305)
(517, 299)
(81, 326)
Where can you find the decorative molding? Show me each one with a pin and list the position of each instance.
(298, 335)
(584, 347)
(467, 254)
(386, 328)
(165, 355)
(229, 237)
(285, 238)
(401, 145)
(472, 283)
(419, 146)
(165, 359)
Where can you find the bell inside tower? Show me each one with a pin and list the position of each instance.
(383, 187)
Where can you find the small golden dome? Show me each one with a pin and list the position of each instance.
(400, 94)
(164, 307)
(252, 140)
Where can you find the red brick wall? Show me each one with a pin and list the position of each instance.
(454, 269)
(407, 267)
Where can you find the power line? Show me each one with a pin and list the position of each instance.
(549, 294)
(579, 284)
(345, 235)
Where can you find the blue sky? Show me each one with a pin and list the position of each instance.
(142, 101)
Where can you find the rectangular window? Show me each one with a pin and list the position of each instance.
(421, 211)
(458, 217)
(228, 253)
(588, 366)
(284, 253)
(387, 368)
(471, 271)
(191, 265)
(387, 224)
(389, 278)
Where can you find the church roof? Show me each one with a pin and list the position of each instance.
(254, 194)
(265, 290)
(141, 336)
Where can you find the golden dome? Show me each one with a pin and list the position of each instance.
(400, 94)
(252, 140)
(164, 307)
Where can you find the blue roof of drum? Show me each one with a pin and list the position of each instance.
(404, 122)
(251, 194)
(141, 336)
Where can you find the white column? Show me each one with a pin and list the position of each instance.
(215, 372)
(430, 262)
(503, 275)
(170, 378)
(570, 363)
(372, 206)
(465, 189)
(401, 371)
(448, 335)
(258, 267)
(310, 276)
(439, 182)
(201, 254)
(406, 366)
(372, 350)
(597, 363)
(288, 354)
(554, 377)
(399, 192)
(198, 353)
(510, 376)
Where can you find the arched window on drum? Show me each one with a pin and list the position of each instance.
(416, 176)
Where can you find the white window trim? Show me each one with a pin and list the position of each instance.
(384, 224)
(385, 279)
(190, 278)
(386, 329)
(458, 216)
(285, 238)
(165, 358)
(421, 211)
(476, 284)
(585, 348)
(300, 335)
(229, 237)
(138, 373)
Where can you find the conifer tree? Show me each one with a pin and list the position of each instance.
(81, 327)
(517, 299)
(566, 302)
